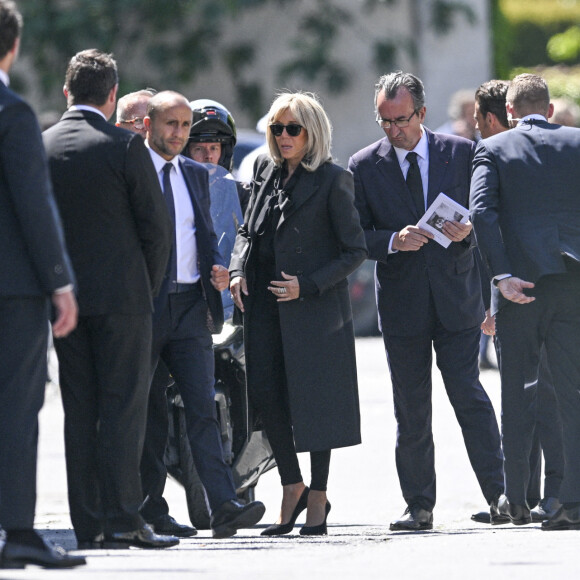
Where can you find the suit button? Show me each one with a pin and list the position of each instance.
(298, 250)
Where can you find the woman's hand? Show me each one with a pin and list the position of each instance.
(238, 286)
(287, 290)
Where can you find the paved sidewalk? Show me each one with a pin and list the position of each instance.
(365, 496)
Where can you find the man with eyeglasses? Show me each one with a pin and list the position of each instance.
(131, 110)
(429, 297)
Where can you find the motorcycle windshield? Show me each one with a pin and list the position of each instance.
(226, 215)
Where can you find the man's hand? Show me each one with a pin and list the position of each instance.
(411, 239)
(456, 231)
(513, 289)
(67, 311)
(238, 286)
(488, 325)
(220, 277)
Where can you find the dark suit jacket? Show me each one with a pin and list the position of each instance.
(197, 180)
(33, 259)
(116, 222)
(406, 280)
(525, 200)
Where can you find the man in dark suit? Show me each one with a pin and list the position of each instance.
(525, 206)
(119, 235)
(131, 112)
(428, 296)
(491, 119)
(34, 266)
(187, 310)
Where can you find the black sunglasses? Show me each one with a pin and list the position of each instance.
(293, 129)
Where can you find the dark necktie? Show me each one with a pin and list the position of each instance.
(414, 183)
(168, 195)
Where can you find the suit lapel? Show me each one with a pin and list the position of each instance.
(388, 165)
(191, 189)
(439, 158)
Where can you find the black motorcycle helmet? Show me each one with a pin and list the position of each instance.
(213, 123)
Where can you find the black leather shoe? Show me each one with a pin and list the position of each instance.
(20, 555)
(519, 515)
(319, 530)
(144, 537)
(233, 515)
(497, 517)
(546, 509)
(281, 529)
(563, 519)
(482, 517)
(95, 543)
(167, 525)
(415, 518)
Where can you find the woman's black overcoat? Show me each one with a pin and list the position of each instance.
(318, 236)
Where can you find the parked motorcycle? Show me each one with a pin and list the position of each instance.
(245, 445)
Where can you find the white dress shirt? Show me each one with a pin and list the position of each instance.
(87, 108)
(187, 267)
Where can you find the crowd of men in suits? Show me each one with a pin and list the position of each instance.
(140, 276)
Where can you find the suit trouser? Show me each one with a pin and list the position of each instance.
(182, 340)
(553, 320)
(410, 361)
(547, 439)
(104, 377)
(153, 469)
(23, 346)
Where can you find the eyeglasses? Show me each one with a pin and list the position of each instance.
(400, 123)
(293, 129)
(137, 122)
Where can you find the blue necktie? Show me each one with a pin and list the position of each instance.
(168, 195)
(414, 183)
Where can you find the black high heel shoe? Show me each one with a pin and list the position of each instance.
(319, 530)
(281, 529)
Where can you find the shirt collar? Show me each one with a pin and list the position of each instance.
(159, 162)
(535, 116)
(421, 149)
(4, 77)
(87, 108)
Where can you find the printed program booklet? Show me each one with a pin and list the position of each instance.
(441, 210)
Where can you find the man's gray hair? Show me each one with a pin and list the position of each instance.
(392, 82)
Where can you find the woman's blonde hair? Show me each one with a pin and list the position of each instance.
(308, 112)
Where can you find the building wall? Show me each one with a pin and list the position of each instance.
(460, 59)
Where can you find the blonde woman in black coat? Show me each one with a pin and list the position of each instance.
(301, 239)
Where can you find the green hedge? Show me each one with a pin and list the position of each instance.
(522, 29)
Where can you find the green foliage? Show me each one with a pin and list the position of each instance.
(313, 46)
(443, 15)
(565, 47)
(534, 35)
(542, 12)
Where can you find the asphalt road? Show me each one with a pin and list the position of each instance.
(365, 497)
